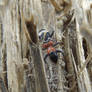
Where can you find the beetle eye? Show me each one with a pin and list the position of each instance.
(40, 37)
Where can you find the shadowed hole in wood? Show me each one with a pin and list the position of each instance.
(4, 65)
(2, 85)
(84, 43)
(31, 28)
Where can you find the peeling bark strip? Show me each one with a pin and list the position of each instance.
(39, 70)
(84, 81)
(41, 82)
(70, 60)
(13, 51)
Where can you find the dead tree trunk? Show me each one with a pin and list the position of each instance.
(23, 68)
(12, 38)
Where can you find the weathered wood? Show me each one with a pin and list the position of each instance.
(85, 31)
(56, 6)
(4, 63)
(39, 70)
(61, 63)
(2, 86)
(40, 76)
(69, 61)
(13, 45)
(84, 77)
(31, 33)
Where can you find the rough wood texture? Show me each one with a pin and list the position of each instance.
(69, 64)
(39, 71)
(40, 76)
(84, 76)
(2, 86)
(13, 48)
(22, 67)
